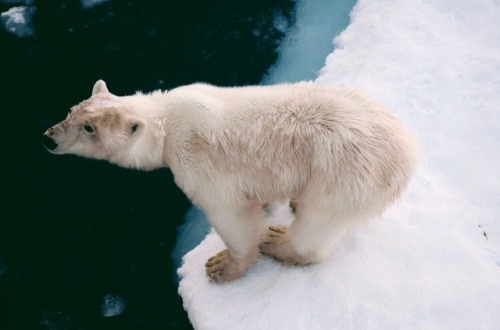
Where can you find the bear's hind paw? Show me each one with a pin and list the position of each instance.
(277, 245)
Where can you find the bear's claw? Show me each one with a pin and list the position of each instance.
(277, 245)
(275, 235)
(223, 268)
(216, 263)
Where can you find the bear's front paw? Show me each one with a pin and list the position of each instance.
(223, 268)
(277, 245)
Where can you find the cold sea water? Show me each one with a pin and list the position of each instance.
(85, 244)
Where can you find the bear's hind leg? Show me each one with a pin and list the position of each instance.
(317, 228)
(241, 230)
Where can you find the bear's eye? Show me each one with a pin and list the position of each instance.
(88, 128)
(134, 127)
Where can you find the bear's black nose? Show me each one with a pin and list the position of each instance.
(48, 142)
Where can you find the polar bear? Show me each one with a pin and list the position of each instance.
(339, 155)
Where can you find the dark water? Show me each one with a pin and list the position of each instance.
(73, 231)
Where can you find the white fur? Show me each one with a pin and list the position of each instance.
(338, 153)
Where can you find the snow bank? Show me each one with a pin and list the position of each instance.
(433, 260)
(194, 228)
(303, 50)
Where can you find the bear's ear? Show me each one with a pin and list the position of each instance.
(100, 87)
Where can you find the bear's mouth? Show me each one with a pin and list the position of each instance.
(49, 143)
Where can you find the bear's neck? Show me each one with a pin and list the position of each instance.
(147, 152)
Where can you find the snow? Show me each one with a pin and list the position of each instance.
(17, 2)
(433, 260)
(189, 234)
(112, 305)
(17, 20)
(91, 3)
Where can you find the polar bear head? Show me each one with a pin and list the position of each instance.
(105, 126)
